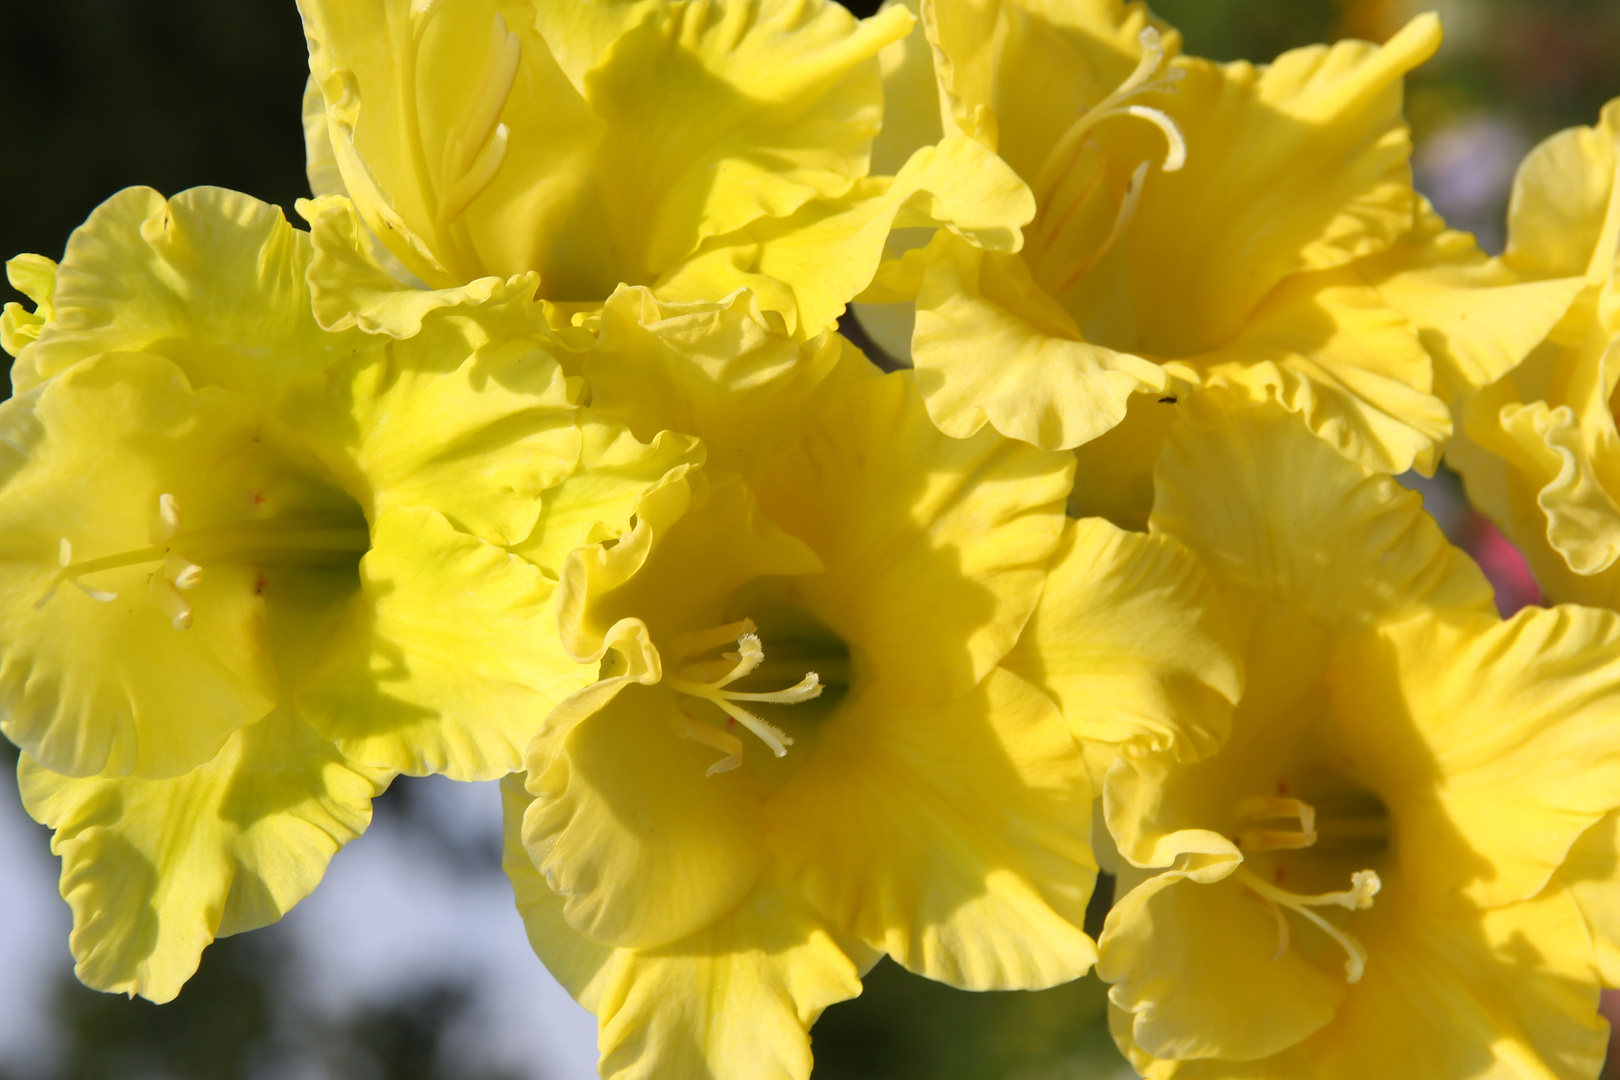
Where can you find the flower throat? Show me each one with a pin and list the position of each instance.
(183, 553)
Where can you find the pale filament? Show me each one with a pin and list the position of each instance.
(1067, 153)
(180, 553)
(694, 681)
(1261, 813)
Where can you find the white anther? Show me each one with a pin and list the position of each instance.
(64, 553)
(171, 603)
(101, 595)
(168, 523)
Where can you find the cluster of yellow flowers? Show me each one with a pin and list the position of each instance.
(540, 456)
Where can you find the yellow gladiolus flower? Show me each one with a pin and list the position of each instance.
(255, 569)
(1539, 448)
(558, 151)
(822, 733)
(1365, 879)
(196, 451)
(1196, 224)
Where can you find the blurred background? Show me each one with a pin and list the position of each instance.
(409, 962)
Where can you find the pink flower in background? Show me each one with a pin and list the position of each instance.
(1502, 563)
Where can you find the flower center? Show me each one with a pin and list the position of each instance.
(475, 147)
(1068, 188)
(184, 552)
(711, 681)
(1282, 823)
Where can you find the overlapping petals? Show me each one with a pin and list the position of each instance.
(543, 456)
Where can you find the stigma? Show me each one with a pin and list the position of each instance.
(703, 682)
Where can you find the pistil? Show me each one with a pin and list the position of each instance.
(694, 681)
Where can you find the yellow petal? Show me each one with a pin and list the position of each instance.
(910, 97)
(154, 870)
(935, 548)
(599, 499)
(1113, 475)
(402, 150)
(474, 428)
(1564, 218)
(952, 836)
(1267, 506)
(698, 537)
(1015, 75)
(708, 110)
(991, 347)
(734, 1001)
(1579, 463)
(448, 661)
(1128, 640)
(211, 279)
(643, 846)
(720, 371)
(1285, 1064)
(1507, 993)
(1197, 967)
(829, 251)
(1159, 809)
(1477, 318)
(353, 285)
(1327, 347)
(105, 682)
(1591, 873)
(1489, 742)
(320, 160)
(35, 277)
(1300, 165)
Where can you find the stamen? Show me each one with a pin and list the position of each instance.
(1262, 808)
(690, 727)
(695, 644)
(167, 524)
(1122, 221)
(182, 571)
(1070, 177)
(182, 554)
(475, 148)
(1364, 885)
(749, 655)
(171, 603)
(1284, 938)
(1137, 82)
